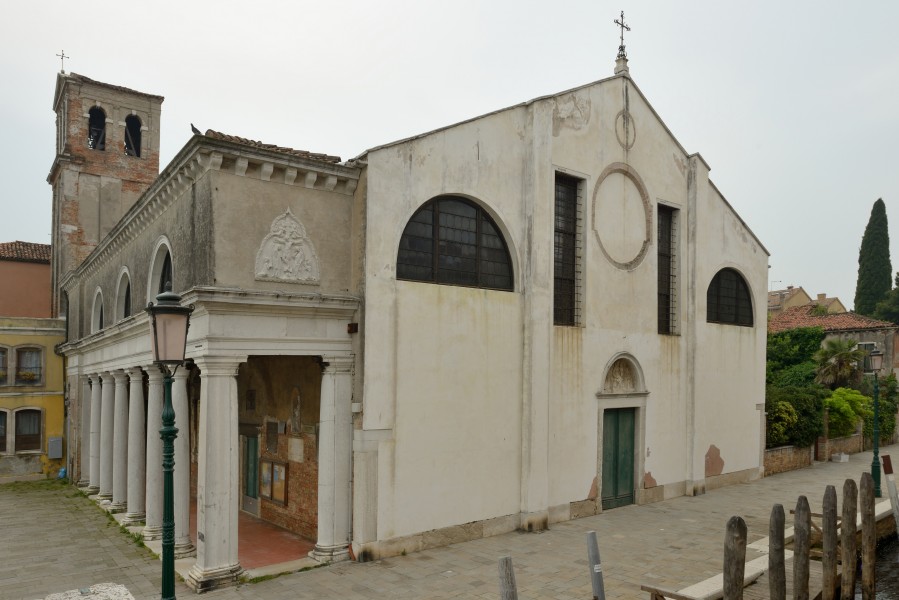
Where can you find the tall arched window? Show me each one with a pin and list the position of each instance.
(123, 296)
(96, 136)
(452, 240)
(132, 135)
(97, 312)
(728, 299)
(165, 275)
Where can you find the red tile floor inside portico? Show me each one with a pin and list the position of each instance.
(259, 544)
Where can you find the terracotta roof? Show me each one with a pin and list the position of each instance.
(802, 316)
(25, 252)
(120, 88)
(272, 147)
(776, 298)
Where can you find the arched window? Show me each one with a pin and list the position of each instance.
(165, 275)
(28, 429)
(96, 137)
(453, 241)
(132, 135)
(728, 299)
(97, 312)
(123, 297)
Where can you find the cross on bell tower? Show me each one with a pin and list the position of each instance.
(62, 61)
(623, 26)
(621, 59)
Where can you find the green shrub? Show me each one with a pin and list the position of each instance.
(808, 404)
(846, 407)
(798, 375)
(781, 419)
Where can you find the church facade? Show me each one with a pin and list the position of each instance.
(534, 315)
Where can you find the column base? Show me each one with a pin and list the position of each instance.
(116, 507)
(330, 554)
(104, 495)
(152, 532)
(83, 483)
(200, 580)
(185, 549)
(91, 490)
(133, 519)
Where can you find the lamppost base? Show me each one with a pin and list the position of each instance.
(201, 580)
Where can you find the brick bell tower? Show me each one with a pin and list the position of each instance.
(107, 155)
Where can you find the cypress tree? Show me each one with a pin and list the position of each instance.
(874, 268)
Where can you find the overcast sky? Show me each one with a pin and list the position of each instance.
(795, 105)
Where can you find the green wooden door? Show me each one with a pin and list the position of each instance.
(618, 457)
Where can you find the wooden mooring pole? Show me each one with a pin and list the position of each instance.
(848, 546)
(777, 574)
(507, 588)
(734, 558)
(829, 550)
(802, 526)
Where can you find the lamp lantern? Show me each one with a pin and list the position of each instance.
(876, 358)
(170, 321)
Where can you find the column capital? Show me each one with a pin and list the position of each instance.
(94, 378)
(222, 366)
(121, 376)
(338, 363)
(135, 373)
(154, 373)
(181, 374)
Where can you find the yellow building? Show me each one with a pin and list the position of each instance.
(32, 401)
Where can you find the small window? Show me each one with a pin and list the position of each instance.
(28, 366)
(728, 299)
(2, 431)
(132, 136)
(566, 246)
(123, 297)
(96, 137)
(453, 241)
(97, 321)
(28, 430)
(4, 366)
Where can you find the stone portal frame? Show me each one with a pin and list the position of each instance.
(161, 249)
(624, 386)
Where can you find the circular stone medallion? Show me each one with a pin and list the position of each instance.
(622, 216)
(625, 130)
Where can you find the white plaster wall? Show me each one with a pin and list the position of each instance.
(458, 406)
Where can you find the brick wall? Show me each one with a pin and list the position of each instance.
(850, 445)
(300, 513)
(786, 458)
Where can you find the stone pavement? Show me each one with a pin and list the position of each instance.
(55, 540)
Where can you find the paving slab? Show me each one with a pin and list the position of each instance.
(56, 541)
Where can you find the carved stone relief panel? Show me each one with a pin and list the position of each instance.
(287, 253)
(621, 378)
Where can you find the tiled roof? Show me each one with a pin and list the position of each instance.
(776, 298)
(272, 147)
(802, 316)
(25, 252)
(119, 88)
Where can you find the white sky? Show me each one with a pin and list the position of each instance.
(795, 105)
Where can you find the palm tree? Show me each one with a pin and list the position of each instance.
(838, 362)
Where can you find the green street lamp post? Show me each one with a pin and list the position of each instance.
(169, 321)
(876, 363)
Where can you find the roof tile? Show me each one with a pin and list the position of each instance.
(802, 316)
(25, 252)
(272, 147)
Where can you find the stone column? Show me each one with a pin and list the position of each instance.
(84, 437)
(183, 545)
(218, 479)
(107, 416)
(94, 485)
(335, 460)
(137, 448)
(120, 444)
(153, 527)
